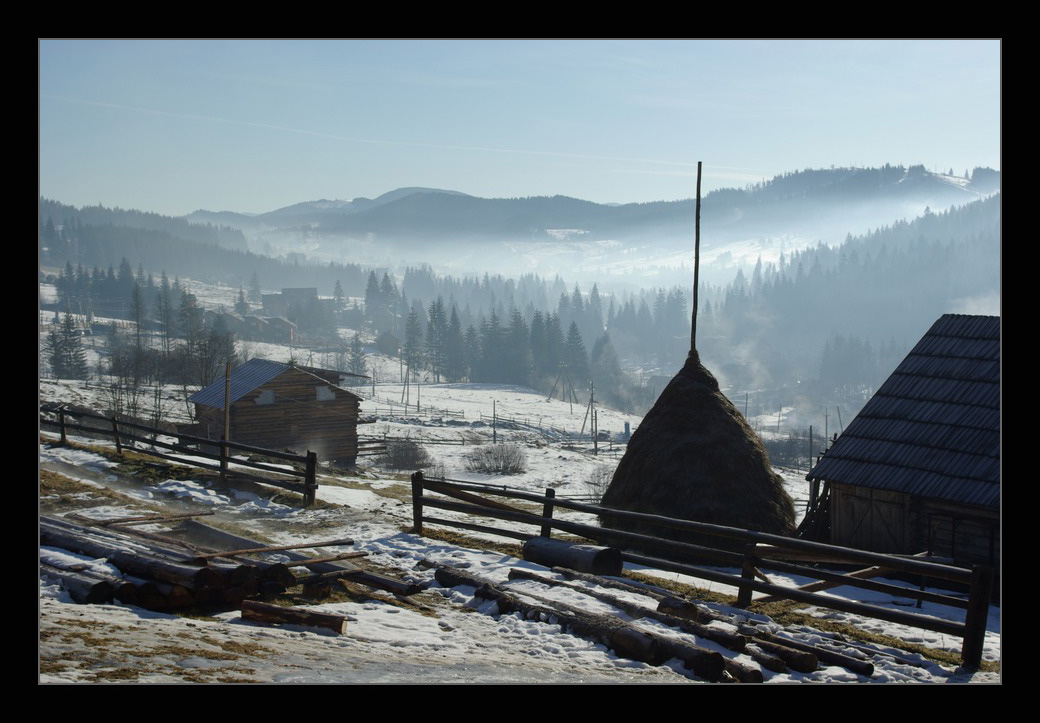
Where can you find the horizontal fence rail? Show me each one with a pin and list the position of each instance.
(759, 549)
(122, 432)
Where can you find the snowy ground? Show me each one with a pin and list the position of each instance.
(453, 637)
(457, 638)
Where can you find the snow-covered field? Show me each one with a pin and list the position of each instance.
(452, 637)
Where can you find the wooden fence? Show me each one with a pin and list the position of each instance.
(759, 549)
(125, 434)
(371, 447)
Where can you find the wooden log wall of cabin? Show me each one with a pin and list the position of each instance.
(895, 522)
(296, 419)
(870, 519)
(965, 533)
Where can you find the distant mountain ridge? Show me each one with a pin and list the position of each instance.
(204, 231)
(817, 197)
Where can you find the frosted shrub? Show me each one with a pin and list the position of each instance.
(497, 459)
(406, 454)
(598, 481)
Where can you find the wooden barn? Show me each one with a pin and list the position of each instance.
(279, 406)
(918, 469)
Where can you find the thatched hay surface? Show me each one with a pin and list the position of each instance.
(694, 457)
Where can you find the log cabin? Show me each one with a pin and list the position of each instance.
(918, 469)
(284, 407)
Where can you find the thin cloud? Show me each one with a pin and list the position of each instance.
(373, 141)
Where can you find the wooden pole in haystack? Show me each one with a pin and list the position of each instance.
(696, 262)
(694, 456)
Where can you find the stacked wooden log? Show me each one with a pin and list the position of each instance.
(771, 651)
(324, 570)
(156, 573)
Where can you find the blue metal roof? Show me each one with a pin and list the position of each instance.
(244, 379)
(933, 428)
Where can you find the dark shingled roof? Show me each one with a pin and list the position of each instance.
(933, 428)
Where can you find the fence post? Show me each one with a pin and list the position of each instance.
(747, 573)
(310, 481)
(977, 615)
(547, 511)
(417, 493)
(115, 433)
(224, 453)
(61, 423)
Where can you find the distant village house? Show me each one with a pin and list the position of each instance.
(280, 406)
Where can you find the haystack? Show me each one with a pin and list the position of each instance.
(694, 457)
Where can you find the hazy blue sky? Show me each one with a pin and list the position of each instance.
(172, 126)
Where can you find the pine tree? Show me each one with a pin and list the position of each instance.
(413, 335)
(65, 351)
(472, 352)
(356, 363)
(518, 350)
(576, 358)
(137, 314)
(372, 298)
(537, 345)
(606, 372)
(454, 349)
(256, 294)
(241, 305)
(492, 352)
(192, 355)
(436, 338)
(554, 343)
(164, 312)
(53, 349)
(594, 311)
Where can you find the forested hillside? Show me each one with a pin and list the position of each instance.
(92, 237)
(843, 317)
(824, 324)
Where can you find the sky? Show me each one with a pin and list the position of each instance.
(173, 126)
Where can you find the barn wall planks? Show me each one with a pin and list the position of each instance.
(304, 413)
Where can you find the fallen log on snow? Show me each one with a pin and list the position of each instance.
(767, 661)
(692, 611)
(82, 588)
(799, 660)
(584, 558)
(142, 520)
(873, 652)
(624, 639)
(667, 602)
(331, 558)
(153, 566)
(856, 665)
(200, 559)
(370, 579)
(727, 639)
(267, 613)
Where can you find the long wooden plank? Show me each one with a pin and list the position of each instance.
(626, 640)
(267, 613)
(143, 520)
(449, 491)
(729, 640)
(277, 548)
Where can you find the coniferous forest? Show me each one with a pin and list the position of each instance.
(824, 324)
